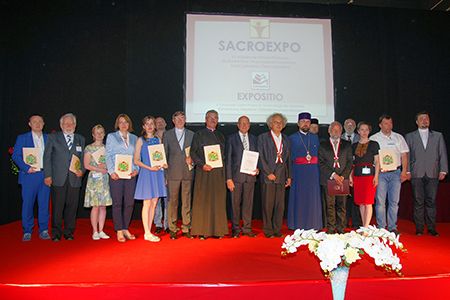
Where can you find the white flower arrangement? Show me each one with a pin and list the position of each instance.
(334, 250)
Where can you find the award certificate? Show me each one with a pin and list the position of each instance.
(123, 166)
(157, 155)
(32, 157)
(388, 160)
(213, 156)
(75, 164)
(99, 155)
(187, 151)
(249, 162)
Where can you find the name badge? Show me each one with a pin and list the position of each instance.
(96, 174)
(78, 148)
(365, 171)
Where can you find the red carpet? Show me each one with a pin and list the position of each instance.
(195, 269)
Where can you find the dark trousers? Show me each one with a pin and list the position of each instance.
(273, 207)
(174, 187)
(336, 213)
(33, 188)
(122, 194)
(424, 193)
(353, 213)
(64, 203)
(242, 195)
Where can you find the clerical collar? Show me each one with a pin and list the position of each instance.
(180, 130)
(423, 130)
(211, 129)
(304, 133)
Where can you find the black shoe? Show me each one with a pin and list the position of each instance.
(158, 230)
(235, 234)
(419, 233)
(433, 233)
(167, 230)
(56, 238)
(188, 235)
(395, 231)
(202, 237)
(68, 237)
(278, 235)
(249, 234)
(269, 236)
(173, 235)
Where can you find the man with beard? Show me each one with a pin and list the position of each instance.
(335, 159)
(65, 184)
(428, 164)
(305, 207)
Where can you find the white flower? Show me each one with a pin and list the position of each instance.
(351, 255)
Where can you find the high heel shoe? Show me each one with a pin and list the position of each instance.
(120, 237)
(128, 235)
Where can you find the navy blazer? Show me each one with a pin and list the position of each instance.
(24, 141)
(234, 149)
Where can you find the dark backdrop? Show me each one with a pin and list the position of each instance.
(101, 58)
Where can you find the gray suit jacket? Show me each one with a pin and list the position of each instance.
(176, 157)
(57, 157)
(429, 161)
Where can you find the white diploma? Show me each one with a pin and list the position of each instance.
(213, 156)
(123, 166)
(32, 157)
(388, 160)
(188, 154)
(75, 164)
(157, 155)
(99, 155)
(249, 162)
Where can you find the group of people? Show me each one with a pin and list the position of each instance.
(311, 167)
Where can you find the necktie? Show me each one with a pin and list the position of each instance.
(244, 141)
(69, 142)
(349, 138)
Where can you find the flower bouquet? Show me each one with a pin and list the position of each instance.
(339, 251)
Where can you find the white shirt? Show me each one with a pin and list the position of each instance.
(38, 142)
(394, 141)
(278, 142)
(179, 133)
(424, 136)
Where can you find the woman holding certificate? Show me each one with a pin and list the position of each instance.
(151, 182)
(209, 217)
(119, 161)
(364, 176)
(97, 193)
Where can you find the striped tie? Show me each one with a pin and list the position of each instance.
(244, 141)
(69, 141)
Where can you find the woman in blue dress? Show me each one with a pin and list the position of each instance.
(151, 182)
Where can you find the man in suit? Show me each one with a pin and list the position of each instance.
(177, 142)
(390, 182)
(353, 213)
(428, 164)
(65, 185)
(274, 165)
(32, 180)
(335, 160)
(241, 185)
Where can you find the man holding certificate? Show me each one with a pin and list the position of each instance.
(28, 156)
(63, 172)
(335, 160)
(241, 171)
(393, 157)
(209, 217)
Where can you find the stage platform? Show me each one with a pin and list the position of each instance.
(212, 269)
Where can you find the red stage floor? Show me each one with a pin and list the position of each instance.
(195, 269)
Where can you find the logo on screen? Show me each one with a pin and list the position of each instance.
(260, 80)
(259, 29)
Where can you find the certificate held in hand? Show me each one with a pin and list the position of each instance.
(213, 156)
(75, 164)
(157, 155)
(249, 162)
(99, 155)
(388, 160)
(32, 157)
(123, 166)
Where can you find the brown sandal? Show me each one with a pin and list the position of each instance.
(120, 237)
(128, 235)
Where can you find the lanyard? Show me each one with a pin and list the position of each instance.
(336, 154)
(279, 150)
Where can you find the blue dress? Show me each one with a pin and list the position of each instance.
(305, 205)
(150, 184)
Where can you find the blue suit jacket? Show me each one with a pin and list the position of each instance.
(24, 141)
(234, 150)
